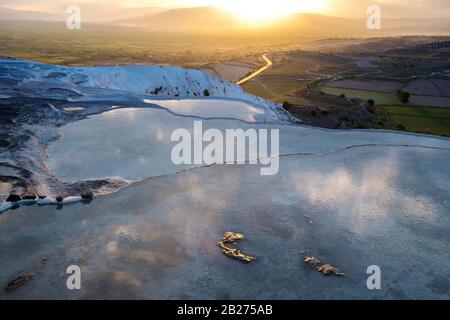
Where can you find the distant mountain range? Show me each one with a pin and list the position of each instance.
(211, 19)
(200, 19)
(320, 25)
(215, 20)
(12, 14)
(90, 12)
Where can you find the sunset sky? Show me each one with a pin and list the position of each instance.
(260, 8)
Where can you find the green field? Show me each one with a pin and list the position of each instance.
(297, 64)
(421, 119)
(380, 98)
(272, 89)
(280, 90)
(257, 89)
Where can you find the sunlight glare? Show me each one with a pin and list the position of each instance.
(257, 10)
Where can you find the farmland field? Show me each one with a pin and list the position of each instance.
(421, 119)
(273, 89)
(424, 112)
(379, 97)
(370, 85)
(388, 98)
(429, 87)
(280, 90)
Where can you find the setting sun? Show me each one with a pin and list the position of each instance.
(257, 10)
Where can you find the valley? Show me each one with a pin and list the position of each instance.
(327, 84)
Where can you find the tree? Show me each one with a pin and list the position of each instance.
(403, 96)
(371, 102)
(206, 93)
(286, 106)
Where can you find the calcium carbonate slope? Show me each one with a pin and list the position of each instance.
(157, 81)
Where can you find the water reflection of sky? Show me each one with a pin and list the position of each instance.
(157, 238)
(134, 143)
(213, 109)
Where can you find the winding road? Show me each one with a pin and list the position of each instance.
(257, 72)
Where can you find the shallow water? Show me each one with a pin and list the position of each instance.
(134, 143)
(215, 108)
(382, 206)
(351, 198)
